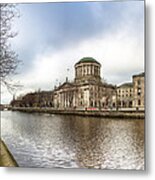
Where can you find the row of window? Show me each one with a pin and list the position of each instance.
(123, 91)
(125, 95)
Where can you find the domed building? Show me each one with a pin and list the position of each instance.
(87, 91)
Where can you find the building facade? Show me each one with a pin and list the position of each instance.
(125, 95)
(131, 95)
(88, 92)
(139, 90)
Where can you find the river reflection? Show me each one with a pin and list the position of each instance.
(42, 140)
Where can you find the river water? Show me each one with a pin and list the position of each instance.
(43, 140)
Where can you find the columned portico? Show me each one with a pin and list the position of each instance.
(87, 69)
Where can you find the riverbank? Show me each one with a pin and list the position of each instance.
(105, 114)
(6, 158)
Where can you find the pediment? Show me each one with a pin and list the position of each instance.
(66, 85)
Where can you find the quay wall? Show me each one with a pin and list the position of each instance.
(106, 114)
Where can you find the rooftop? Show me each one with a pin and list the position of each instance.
(126, 85)
(87, 60)
(139, 75)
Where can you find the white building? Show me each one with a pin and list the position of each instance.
(87, 91)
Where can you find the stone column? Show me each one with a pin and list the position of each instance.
(95, 70)
(82, 70)
(62, 102)
(85, 70)
(89, 69)
(65, 99)
(92, 70)
(62, 99)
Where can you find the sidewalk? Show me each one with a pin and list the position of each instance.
(6, 158)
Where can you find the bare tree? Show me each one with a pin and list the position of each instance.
(8, 58)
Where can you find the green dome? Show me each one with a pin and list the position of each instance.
(87, 59)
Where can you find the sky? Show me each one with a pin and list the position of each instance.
(52, 37)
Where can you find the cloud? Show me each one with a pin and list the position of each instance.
(120, 55)
(54, 26)
(53, 38)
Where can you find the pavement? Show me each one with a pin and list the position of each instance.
(6, 158)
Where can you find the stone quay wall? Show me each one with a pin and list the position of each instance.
(106, 114)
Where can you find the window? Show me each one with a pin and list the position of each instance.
(139, 82)
(130, 104)
(123, 104)
(95, 104)
(139, 92)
